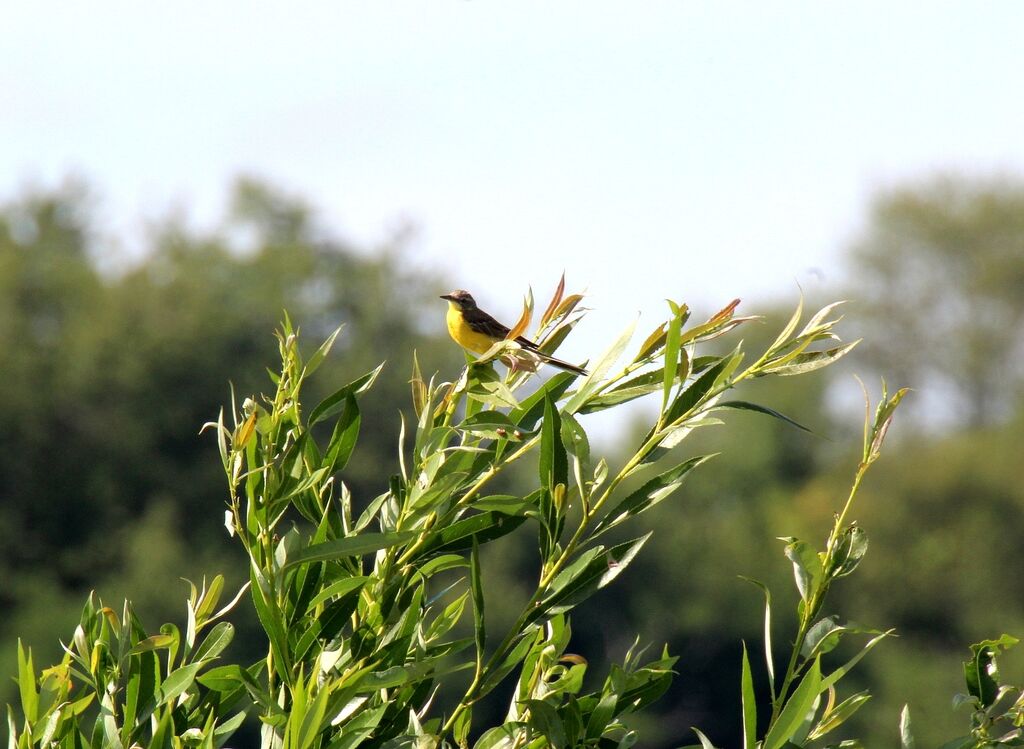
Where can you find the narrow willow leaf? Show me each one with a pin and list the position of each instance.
(840, 672)
(458, 536)
(485, 386)
(216, 641)
(321, 353)
(822, 637)
(851, 548)
(650, 494)
(906, 735)
(493, 425)
(602, 715)
(749, 704)
(336, 589)
(27, 684)
(177, 682)
(594, 570)
(153, 642)
(350, 546)
(700, 389)
(599, 369)
(671, 356)
(705, 742)
(531, 410)
(477, 587)
(544, 719)
(524, 319)
(568, 305)
(806, 565)
(809, 361)
(745, 406)
(521, 647)
(769, 660)
(418, 387)
(838, 715)
(653, 343)
(556, 299)
(816, 323)
(576, 442)
(553, 465)
(336, 401)
(343, 440)
(506, 504)
(790, 326)
(501, 737)
(795, 712)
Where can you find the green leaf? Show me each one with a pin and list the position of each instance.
(544, 720)
(575, 441)
(648, 495)
(670, 370)
(336, 400)
(822, 637)
(358, 728)
(808, 361)
(796, 709)
(980, 671)
(177, 682)
(499, 737)
(806, 565)
(852, 546)
(756, 408)
(840, 672)
(486, 386)
(522, 645)
(218, 639)
(906, 736)
(476, 586)
(506, 504)
(27, 684)
(317, 358)
(839, 714)
(634, 387)
(350, 546)
(458, 536)
(705, 742)
(553, 465)
(337, 589)
(599, 369)
(701, 388)
(602, 716)
(749, 704)
(593, 570)
(343, 440)
(768, 658)
(531, 410)
(493, 425)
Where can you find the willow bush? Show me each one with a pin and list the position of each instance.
(377, 631)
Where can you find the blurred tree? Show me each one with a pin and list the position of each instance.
(939, 278)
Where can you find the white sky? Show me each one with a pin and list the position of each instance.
(695, 150)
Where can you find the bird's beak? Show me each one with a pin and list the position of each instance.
(448, 297)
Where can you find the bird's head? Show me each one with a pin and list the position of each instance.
(460, 298)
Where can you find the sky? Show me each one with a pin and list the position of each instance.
(698, 151)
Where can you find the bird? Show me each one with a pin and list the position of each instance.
(476, 331)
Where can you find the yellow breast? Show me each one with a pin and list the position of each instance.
(464, 335)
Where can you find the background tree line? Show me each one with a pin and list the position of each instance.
(108, 373)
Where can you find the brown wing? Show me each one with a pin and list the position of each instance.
(483, 323)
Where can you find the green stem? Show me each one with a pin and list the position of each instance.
(817, 598)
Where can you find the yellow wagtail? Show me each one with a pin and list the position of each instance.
(475, 330)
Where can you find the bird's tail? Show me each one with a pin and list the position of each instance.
(561, 364)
